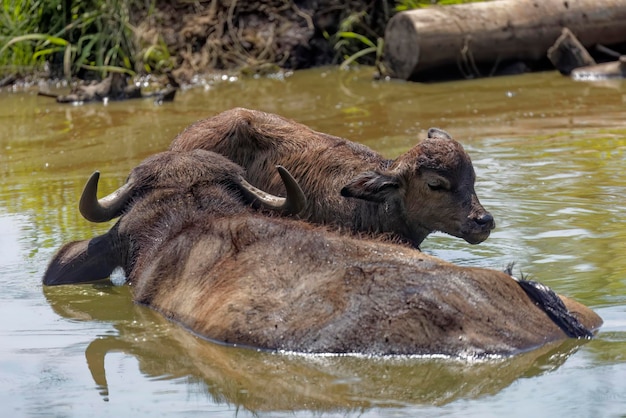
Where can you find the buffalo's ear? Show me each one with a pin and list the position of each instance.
(82, 261)
(372, 186)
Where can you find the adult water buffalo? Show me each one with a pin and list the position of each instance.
(193, 249)
(429, 188)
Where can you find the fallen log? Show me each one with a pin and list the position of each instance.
(476, 36)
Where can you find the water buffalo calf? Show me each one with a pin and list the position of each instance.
(193, 249)
(429, 188)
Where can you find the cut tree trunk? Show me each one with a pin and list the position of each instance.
(482, 35)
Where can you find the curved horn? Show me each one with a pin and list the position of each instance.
(108, 207)
(295, 201)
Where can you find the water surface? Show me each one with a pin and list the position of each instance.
(549, 154)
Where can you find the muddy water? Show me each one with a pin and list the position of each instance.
(550, 156)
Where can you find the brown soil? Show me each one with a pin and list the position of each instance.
(205, 36)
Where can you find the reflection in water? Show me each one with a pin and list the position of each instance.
(262, 381)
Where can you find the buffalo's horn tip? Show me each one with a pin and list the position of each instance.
(295, 196)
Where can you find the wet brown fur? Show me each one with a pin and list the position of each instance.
(348, 184)
(193, 249)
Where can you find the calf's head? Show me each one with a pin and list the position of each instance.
(429, 188)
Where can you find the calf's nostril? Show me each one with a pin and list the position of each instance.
(485, 219)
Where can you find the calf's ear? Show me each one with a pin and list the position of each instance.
(371, 186)
(438, 133)
(81, 262)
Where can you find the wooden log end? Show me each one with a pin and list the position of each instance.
(401, 52)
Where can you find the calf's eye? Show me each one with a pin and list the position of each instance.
(435, 186)
(436, 182)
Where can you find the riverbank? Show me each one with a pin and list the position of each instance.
(171, 44)
(190, 39)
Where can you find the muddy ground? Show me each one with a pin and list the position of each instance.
(257, 36)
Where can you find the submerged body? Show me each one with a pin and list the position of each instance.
(194, 250)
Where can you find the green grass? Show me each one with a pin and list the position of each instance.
(18, 18)
(74, 36)
(403, 5)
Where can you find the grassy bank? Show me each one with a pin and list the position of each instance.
(89, 38)
(70, 38)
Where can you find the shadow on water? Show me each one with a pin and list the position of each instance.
(264, 381)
